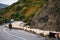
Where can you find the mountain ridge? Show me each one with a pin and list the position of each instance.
(3, 5)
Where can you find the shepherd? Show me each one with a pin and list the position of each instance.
(10, 26)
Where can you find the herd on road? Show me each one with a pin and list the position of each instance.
(51, 35)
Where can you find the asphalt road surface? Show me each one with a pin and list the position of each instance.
(6, 34)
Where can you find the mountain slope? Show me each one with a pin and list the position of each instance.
(48, 18)
(41, 14)
(3, 5)
(22, 10)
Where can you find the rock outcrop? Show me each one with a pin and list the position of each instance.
(48, 18)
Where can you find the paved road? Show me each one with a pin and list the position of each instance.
(6, 34)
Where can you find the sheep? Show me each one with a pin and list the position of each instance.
(51, 34)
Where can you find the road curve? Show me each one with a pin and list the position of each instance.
(6, 34)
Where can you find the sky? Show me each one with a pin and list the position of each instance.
(8, 2)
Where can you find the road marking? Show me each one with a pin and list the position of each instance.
(14, 35)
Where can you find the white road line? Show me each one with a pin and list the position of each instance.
(14, 35)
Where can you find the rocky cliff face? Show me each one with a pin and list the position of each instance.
(48, 18)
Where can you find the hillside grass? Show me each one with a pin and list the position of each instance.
(26, 8)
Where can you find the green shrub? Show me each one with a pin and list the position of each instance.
(6, 19)
(18, 16)
(18, 8)
(1, 20)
